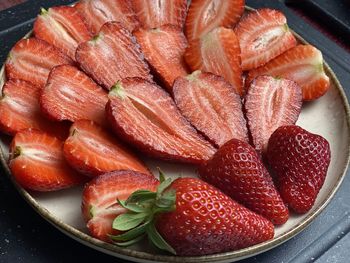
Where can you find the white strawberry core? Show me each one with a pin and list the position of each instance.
(268, 38)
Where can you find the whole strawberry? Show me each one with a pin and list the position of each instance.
(300, 160)
(190, 218)
(237, 170)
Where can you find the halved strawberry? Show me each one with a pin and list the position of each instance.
(100, 206)
(92, 151)
(112, 55)
(32, 59)
(164, 48)
(217, 52)
(71, 95)
(263, 35)
(270, 103)
(144, 115)
(205, 15)
(20, 109)
(62, 27)
(37, 162)
(303, 64)
(97, 12)
(156, 13)
(210, 103)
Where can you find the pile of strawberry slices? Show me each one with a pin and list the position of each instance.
(106, 81)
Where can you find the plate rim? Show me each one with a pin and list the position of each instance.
(140, 256)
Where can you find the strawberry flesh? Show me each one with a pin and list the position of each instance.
(303, 64)
(37, 162)
(145, 116)
(71, 95)
(62, 27)
(99, 204)
(112, 55)
(32, 59)
(217, 52)
(263, 35)
(269, 104)
(212, 106)
(164, 48)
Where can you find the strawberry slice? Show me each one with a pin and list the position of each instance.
(210, 103)
(62, 27)
(304, 65)
(156, 44)
(37, 162)
(263, 35)
(112, 55)
(71, 95)
(20, 109)
(32, 59)
(100, 206)
(205, 15)
(95, 13)
(92, 151)
(217, 52)
(144, 115)
(269, 104)
(153, 14)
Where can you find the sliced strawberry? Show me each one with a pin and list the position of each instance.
(217, 52)
(97, 12)
(71, 95)
(112, 55)
(93, 151)
(37, 162)
(269, 104)
(263, 35)
(100, 206)
(303, 64)
(144, 115)
(210, 103)
(62, 27)
(153, 14)
(164, 48)
(20, 109)
(205, 15)
(32, 59)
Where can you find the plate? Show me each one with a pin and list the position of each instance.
(328, 116)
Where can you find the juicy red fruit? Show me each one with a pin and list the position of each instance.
(300, 160)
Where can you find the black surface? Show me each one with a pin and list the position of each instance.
(26, 237)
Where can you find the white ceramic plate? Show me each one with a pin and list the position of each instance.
(327, 116)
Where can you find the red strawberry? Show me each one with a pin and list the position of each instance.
(32, 59)
(71, 95)
(164, 48)
(238, 171)
(20, 109)
(92, 151)
(205, 15)
(217, 52)
(95, 13)
(112, 55)
(303, 64)
(37, 162)
(62, 27)
(212, 106)
(156, 13)
(190, 218)
(100, 205)
(263, 35)
(144, 115)
(269, 104)
(300, 160)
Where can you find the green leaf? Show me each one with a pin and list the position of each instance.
(131, 242)
(158, 240)
(128, 221)
(43, 11)
(167, 200)
(161, 175)
(134, 207)
(140, 196)
(165, 184)
(131, 234)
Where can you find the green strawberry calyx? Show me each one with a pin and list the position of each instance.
(139, 221)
